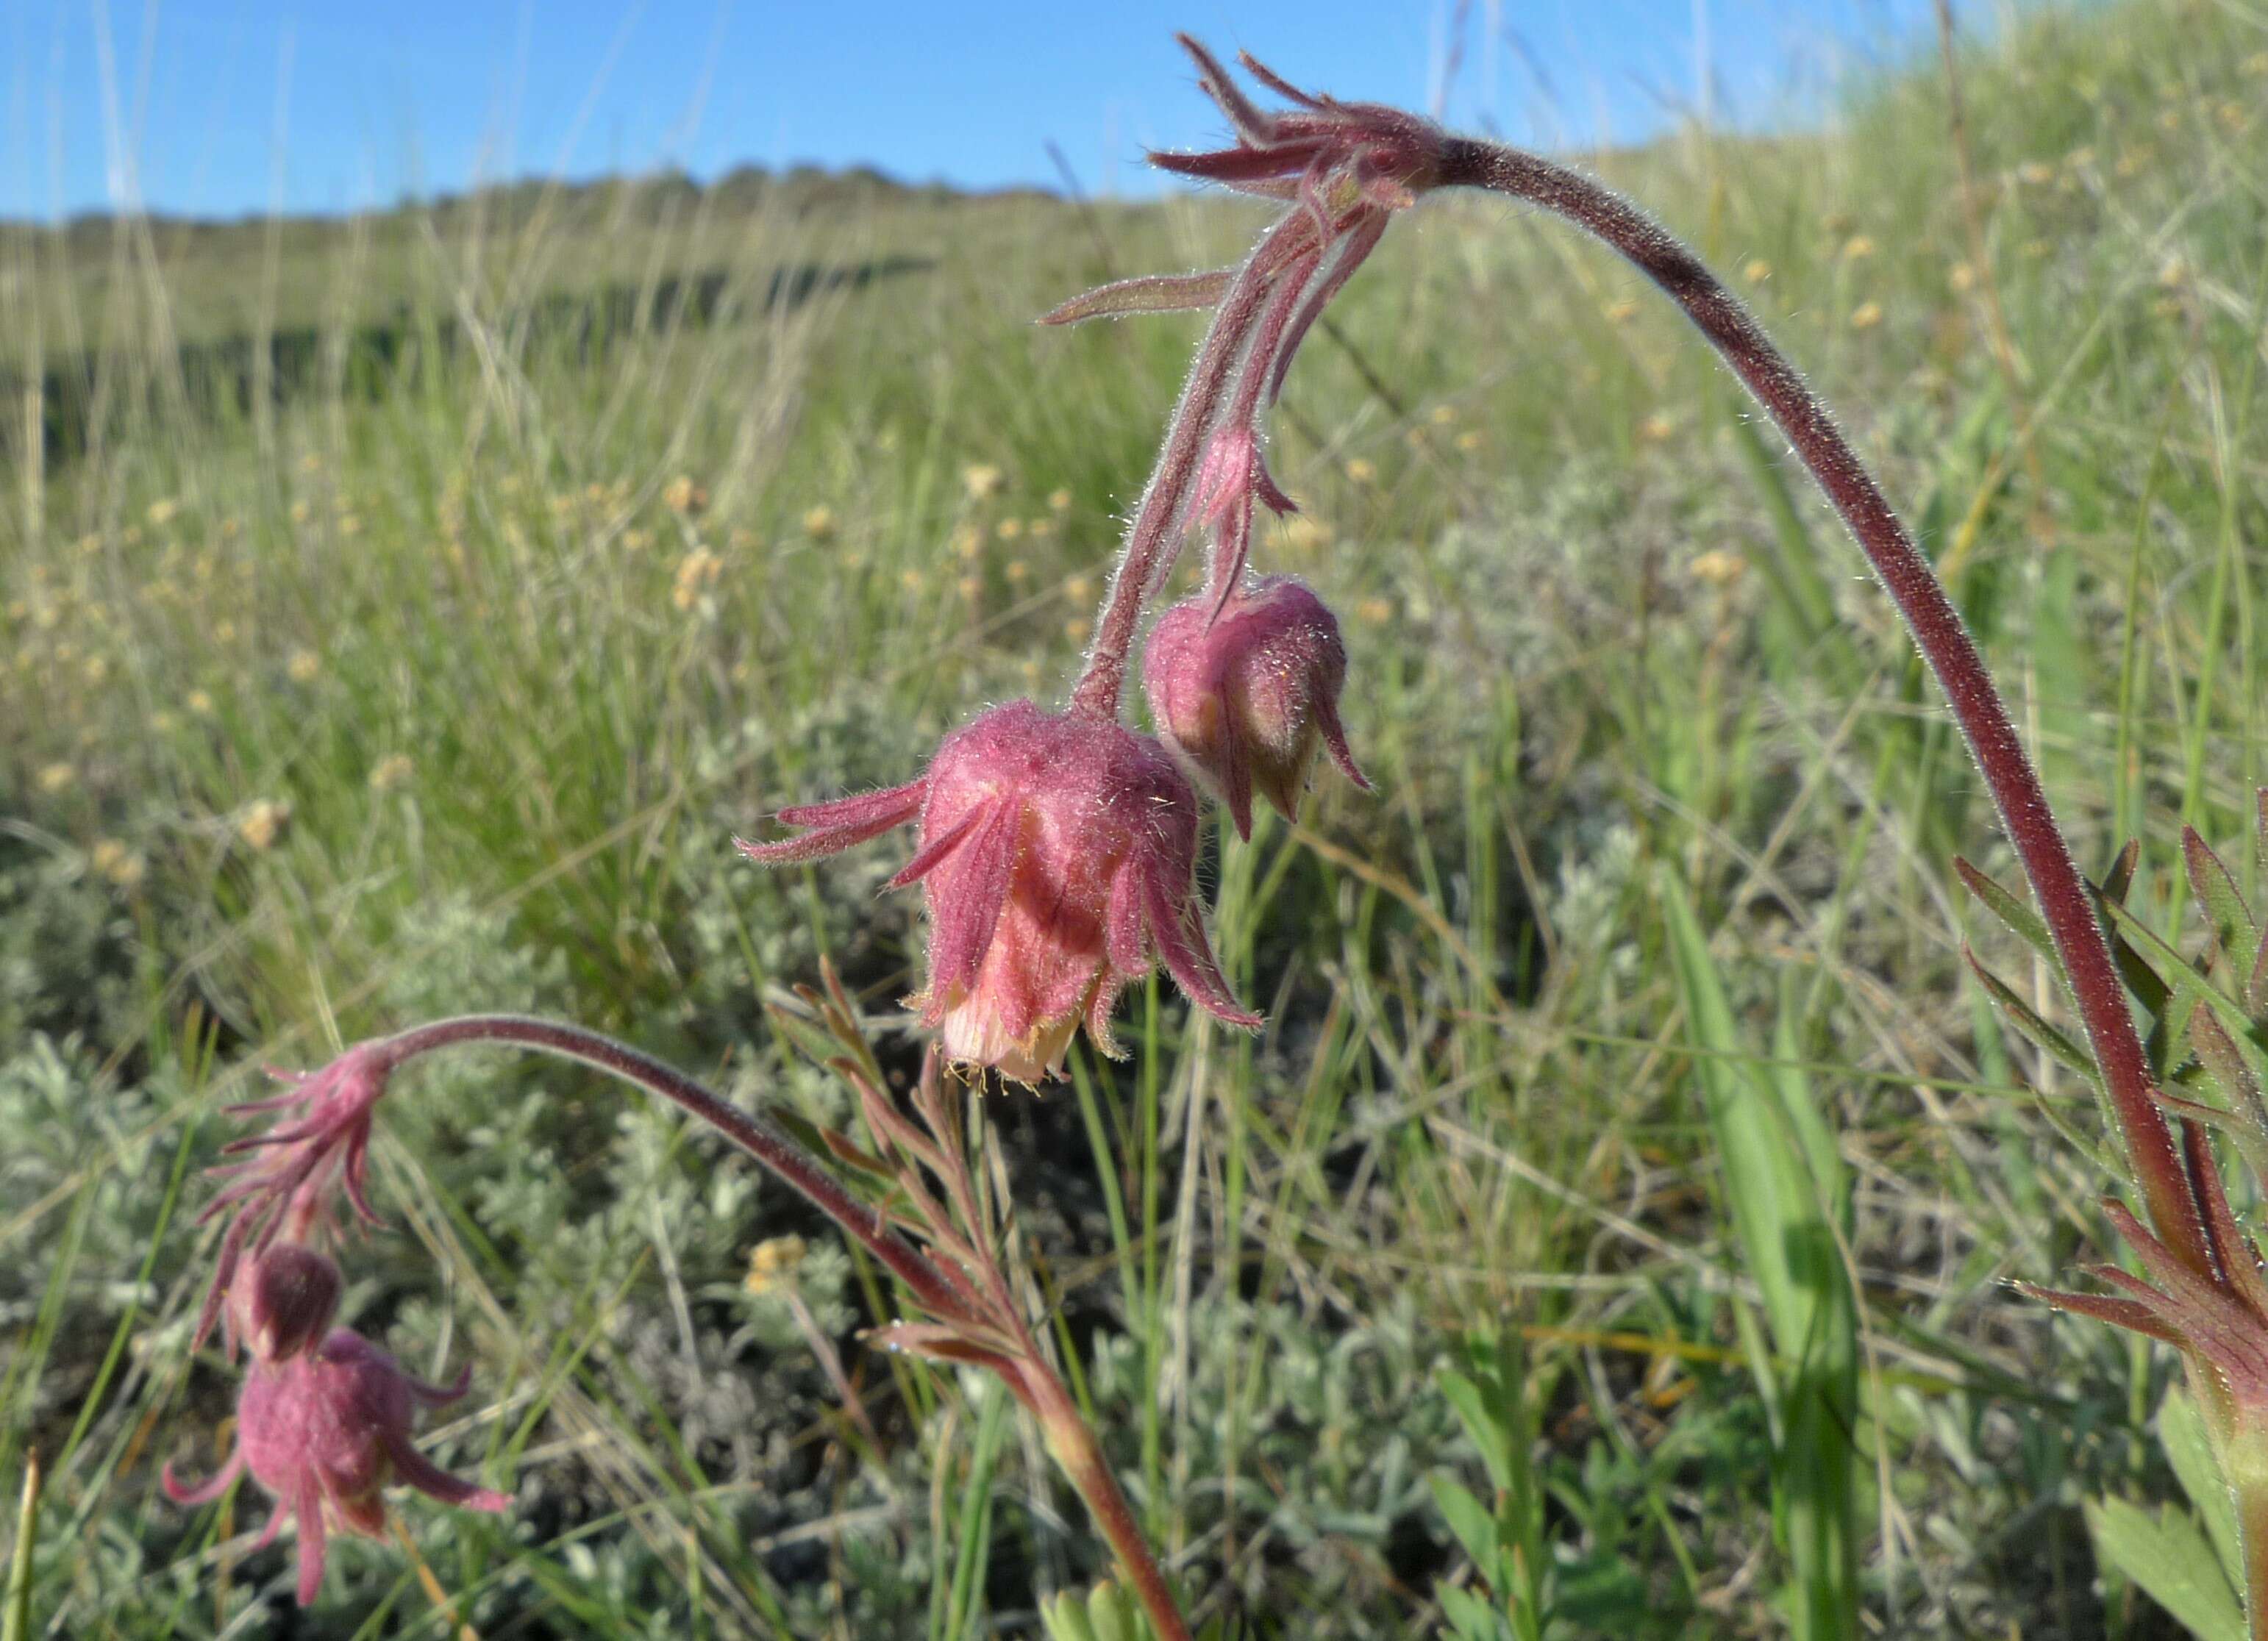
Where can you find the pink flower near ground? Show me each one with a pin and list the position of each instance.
(1246, 688)
(324, 1432)
(1058, 856)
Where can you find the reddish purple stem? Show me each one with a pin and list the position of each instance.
(751, 1133)
(1937, 631)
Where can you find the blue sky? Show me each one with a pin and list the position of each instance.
(220, 108)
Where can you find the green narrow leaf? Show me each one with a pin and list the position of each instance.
(1470, 1618)
(16, 1622)
(1779, 1204)
(2023, 1017)
(2022, 921)
(1481, 1425)
(1066, 1617)
(1470, 1520)
(2170, 1558)
(2181, 1431)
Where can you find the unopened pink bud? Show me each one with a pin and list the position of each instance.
(325, 1432)
(1246, 696)
(285, 1300)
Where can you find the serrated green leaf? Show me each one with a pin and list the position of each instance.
(2170, 1558)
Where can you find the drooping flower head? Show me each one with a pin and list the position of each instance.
(1058, 856)
(324, 1432)
(283, 1188)
(1246, 688)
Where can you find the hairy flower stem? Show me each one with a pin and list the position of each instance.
(1035, 1383)
(751, 1134)
(1166, 499)
(1936, 628)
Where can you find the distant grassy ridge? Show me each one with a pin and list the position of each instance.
(221, 377)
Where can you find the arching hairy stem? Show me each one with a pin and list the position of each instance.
(1936, 628)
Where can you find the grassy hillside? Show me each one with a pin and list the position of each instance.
(443, 679)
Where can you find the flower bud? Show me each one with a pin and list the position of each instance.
(284, 1302)
(324, 1432)
(1244, 690)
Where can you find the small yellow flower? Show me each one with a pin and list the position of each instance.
(57, 777)
(1757, 271)
(224, 631)
(264, 822)
(90, 544)
(1621, 313)
(2080, 159)
(1077, 628)
(164, 723)
(1443, 414)
(98, 668)
(1961, 277)
(304, 666)
(1375, 612)
(968, 542)
(772, 1264)
(681, 494)
(1361, 470)
(1030, 669)
(818, 524)
(1656, 428)
(912, 580)
(970, 587)
(1079, 589)
(633, 540)
(1470, 440)
(1010, 529)
(1720, 567)
(2035, 173)
(161, 513)
(349, 524)
(199, 702)
(395, 770)
(116, 861)
(981, 480)
(1866, 316)
(300, 510)
(696, 572)
(1038, 529)
(1060, 500)
(1017, 570)
(1857, 248)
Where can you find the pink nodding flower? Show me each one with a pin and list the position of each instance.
(1245, 688)
(1058, 852)
(282, 1188)
(325, 1432)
